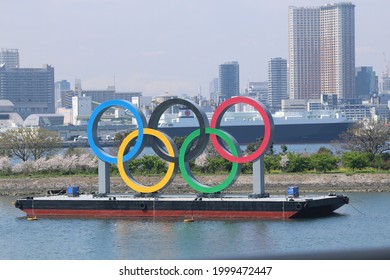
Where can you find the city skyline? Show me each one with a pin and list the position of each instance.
(167, 46)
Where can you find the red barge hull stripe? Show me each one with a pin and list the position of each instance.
(159, 213)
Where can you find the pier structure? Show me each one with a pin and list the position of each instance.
(103, 177)
(258, 180)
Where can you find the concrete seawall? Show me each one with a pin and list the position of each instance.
(275, 184)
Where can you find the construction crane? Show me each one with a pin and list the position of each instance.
(386, 73)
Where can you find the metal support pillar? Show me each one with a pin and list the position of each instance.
(258, 177)
(104, 177)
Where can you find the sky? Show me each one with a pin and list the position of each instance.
(168, 46)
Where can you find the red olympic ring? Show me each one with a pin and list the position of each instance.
(268, 129)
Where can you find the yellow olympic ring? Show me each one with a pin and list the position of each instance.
(171, 165)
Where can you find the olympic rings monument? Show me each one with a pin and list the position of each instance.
(193, 146)
(210, 202)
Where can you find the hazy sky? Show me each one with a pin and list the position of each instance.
(170, 46)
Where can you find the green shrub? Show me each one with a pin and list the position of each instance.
(355, 160)
(323, 161)
(297, 162)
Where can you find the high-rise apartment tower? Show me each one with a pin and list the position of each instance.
(322, 51)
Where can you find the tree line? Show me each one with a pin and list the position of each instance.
(26, 143)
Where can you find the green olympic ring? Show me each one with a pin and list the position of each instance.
(185, 166)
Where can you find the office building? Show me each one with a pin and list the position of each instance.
(31, 90)
(59, 88)
(100, 96)
(9, 57)
(66, 99)
(258, 91)
(229, 80)
(43, 120)
(81, 109)
(277, 82)
(366, 82)
(386, 84)
(329, 101)
(322, 51)
(62, 85)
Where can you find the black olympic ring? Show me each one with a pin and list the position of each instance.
(203, 139)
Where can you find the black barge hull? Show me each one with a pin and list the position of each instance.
(228, 207)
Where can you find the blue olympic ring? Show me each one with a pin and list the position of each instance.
(92, 130)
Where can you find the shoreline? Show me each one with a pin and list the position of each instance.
(274, 183)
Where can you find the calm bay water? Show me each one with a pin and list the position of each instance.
(364, 224)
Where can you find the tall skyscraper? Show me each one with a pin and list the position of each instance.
(30, 89)
(10, 57)
(337, 23)
(322, 51)
(277, 82)
(304, 52)
(229, 80)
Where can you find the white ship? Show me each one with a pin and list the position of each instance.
(317, 126)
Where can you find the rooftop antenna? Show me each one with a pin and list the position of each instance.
(200, 95)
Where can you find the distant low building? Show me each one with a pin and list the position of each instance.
(329, 101)
(81, 109)
(64, 94)
(100, 96)
(8, 117)
(61, 88)
(43, 120)
(356, 111)
(380, 111)
(67, 113)
(9, 57)
(258, 91)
